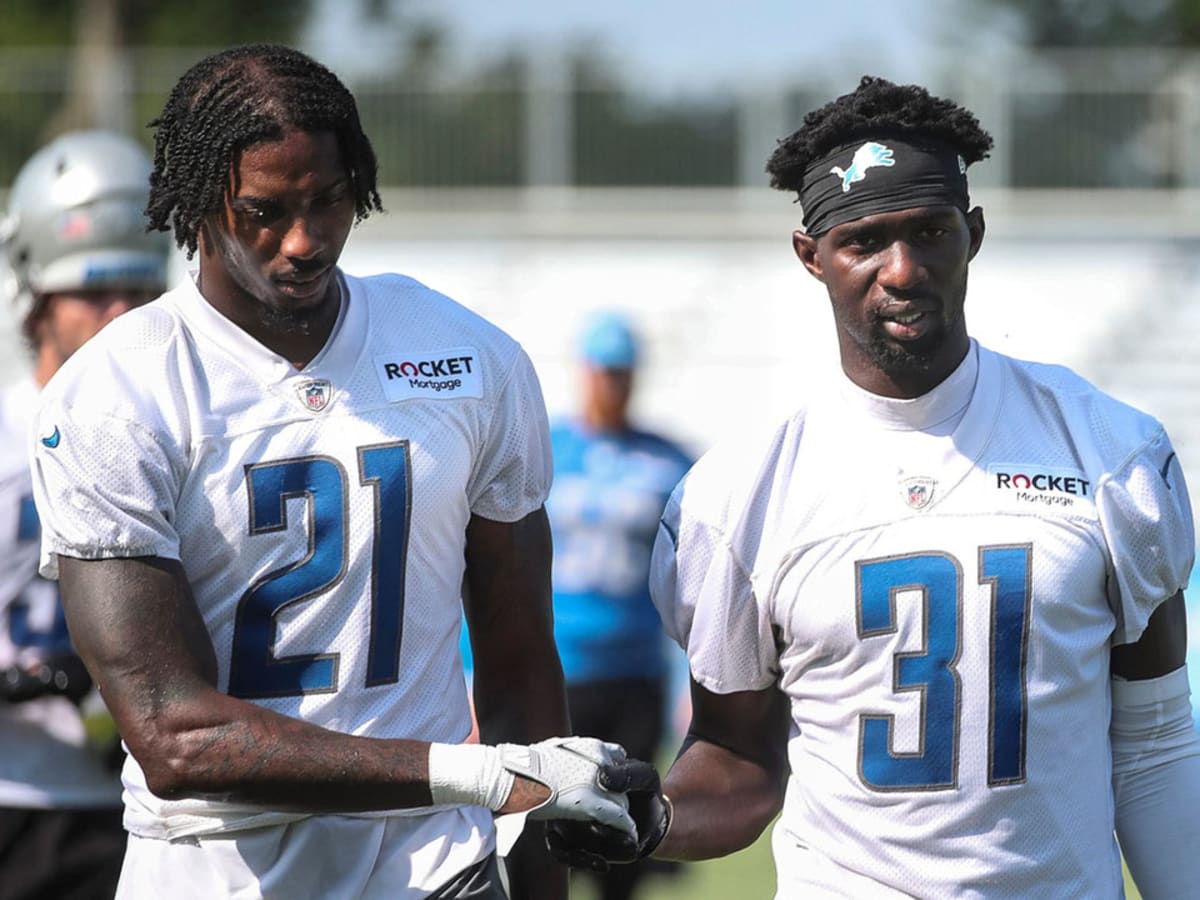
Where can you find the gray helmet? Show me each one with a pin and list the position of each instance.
(76, 220)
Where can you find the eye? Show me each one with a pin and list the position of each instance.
(934, 232)
(258, 213)
(862, 241)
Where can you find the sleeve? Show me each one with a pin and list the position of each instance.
(1147, 521)
(707, 603)
(104, 488)
(513, 473)
(1156, 784)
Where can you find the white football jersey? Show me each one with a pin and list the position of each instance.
(939, 611)
(320, 515)
(46, 762)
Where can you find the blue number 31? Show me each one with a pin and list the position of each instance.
(384, 469)
(932, 671)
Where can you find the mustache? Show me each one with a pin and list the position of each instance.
(302, 267)
(917, 295)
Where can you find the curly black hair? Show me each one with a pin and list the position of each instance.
(876, 107)
(236, 98)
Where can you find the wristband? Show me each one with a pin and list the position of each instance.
(670, 819)
(468, 773)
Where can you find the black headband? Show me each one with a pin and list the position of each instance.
(865, 177)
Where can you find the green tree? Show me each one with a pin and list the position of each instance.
(1104, 23)
(69, 64)
(175, 23)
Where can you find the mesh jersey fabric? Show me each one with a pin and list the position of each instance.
(319, 515)
(939, 611)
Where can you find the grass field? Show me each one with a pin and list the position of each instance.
(748, 875)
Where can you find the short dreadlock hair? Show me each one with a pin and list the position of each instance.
(876, 107)
(232, 100)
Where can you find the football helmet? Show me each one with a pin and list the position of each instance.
(76, 221)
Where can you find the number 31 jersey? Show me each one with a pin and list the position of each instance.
(939, 611)
(319, 515)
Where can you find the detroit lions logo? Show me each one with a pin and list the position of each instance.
(867, 156)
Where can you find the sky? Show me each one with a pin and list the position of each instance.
(680, 45)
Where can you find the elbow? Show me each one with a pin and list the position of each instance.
(169, 774)
(174, 762)
(166, 784)
(170, 778)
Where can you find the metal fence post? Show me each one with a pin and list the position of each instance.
(549, 154)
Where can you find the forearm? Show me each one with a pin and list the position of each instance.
(517, 703)
(519, 692)
(721, 802)
(540, 712)
(219, 747)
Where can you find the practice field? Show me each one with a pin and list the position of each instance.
(748, 875)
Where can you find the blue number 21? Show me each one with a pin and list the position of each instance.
(931, 670)
(383, 469)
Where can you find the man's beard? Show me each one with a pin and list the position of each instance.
(911, 357)
(903, 359)
(288, 321)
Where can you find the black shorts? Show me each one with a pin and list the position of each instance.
(628, 711)
(67, 854)
(480, 882)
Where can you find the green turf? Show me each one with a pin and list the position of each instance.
(748, 875)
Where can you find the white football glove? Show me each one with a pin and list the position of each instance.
(568, 766)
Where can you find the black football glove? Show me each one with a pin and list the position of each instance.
(61, 675)
(592, 846)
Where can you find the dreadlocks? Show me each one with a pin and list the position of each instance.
(236, 98)
(875, 107)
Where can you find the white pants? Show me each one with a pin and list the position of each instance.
(322, 857)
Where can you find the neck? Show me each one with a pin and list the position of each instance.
(899, 382)
(45, 363)
(297, 336)
(605, 420)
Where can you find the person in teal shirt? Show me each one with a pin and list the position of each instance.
(611, 482)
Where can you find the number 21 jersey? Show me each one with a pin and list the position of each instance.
(319, 515)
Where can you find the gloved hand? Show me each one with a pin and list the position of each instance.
(594, 846)
(62, 675)
(571, 767)
(568, 766)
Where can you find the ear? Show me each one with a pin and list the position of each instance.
(805, 246)
(976, 227)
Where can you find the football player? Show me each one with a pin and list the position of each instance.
(936, 615)
(78, 254)
(262, 495)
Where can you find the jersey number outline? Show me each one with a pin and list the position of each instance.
(384, 469)
(1005, 570)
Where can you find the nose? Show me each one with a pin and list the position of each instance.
(301, 240)
(901, 268)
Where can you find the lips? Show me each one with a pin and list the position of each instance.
(907, 321)
(303, 285)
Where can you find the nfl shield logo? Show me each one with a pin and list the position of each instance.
(314, 394)
(918, 492)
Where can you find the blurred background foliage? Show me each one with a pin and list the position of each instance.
(574, 115)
